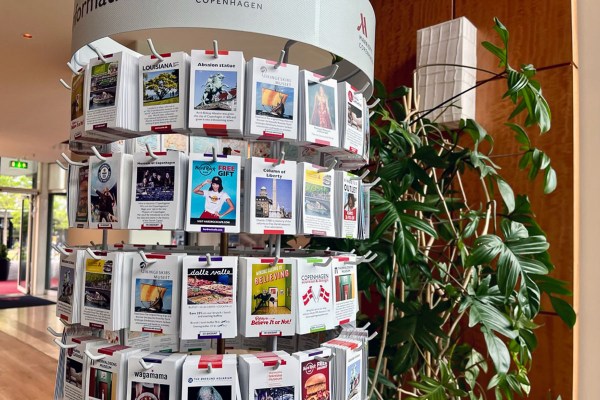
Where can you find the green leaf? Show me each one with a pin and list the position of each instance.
(549, 181)
(502, 31)
(401, 330)
(415, 206)
(383, 380)
(507, 194)
(429, 156)
(533, 266)
(531, 294)
(531, 245)
(516, 82)
(513, 230)
(564, 311)
(476, 131)
(545, 160)
(521, 136)
(486, 248)
(491, 318)
(404, 358)
(497, 51)
(508, 272)
(518, 109)
(525, 160)
(497, 351)
(550, 285)
(412, 221)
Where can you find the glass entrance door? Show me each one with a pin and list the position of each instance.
(23, 276)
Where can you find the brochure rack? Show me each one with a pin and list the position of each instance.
(269, 27)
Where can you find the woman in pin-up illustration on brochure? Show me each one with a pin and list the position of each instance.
(215, 198)
(321, 114)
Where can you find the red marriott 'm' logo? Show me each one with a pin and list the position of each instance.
(363, 25)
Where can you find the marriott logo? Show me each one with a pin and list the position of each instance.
(363, 25)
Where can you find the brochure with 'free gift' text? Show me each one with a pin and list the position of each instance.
(213, 200)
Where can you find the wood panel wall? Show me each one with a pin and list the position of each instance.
(541, 34)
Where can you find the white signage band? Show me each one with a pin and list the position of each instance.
(345, 28)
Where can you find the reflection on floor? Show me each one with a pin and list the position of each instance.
(28, 355)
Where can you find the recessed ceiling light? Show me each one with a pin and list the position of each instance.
(27, 36)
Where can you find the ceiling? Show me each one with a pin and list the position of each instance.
(34, 107)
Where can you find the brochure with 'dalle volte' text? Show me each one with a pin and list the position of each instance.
(267, 306)
(109, 190)
(316, 206)
(158, 190)
(155, 293)
(217, 93)
(163, 95)
(209, 297)
(272, 108)
(271, 200)
(213, 196)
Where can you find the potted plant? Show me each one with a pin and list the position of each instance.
(458, 280)
(4, 262)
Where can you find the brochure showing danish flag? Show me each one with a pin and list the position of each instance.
(314, 282)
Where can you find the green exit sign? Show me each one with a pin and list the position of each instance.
(15, 164)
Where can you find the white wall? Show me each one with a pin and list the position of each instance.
(588, 295)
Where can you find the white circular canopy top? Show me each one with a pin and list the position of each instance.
(259, 28)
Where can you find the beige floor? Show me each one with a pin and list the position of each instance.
(28, 354)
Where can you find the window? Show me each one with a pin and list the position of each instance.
(57, 232)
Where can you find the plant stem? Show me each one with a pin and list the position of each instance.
(383, 341)
(458, 95)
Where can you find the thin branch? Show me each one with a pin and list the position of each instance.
(376, 391)
(456, 65)
(383, 341)
(408, 392)
(376, 273)
(508, 154)
(462, 189)
(426, 113)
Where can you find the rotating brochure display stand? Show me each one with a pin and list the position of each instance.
(260, 73)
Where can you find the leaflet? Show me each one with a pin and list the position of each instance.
(158, 191)
(155, 293)
(268, 306)
(273, 100)
(272, 196)
(209, 298)
(217, 90)
(213, 200)
(163, 95)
